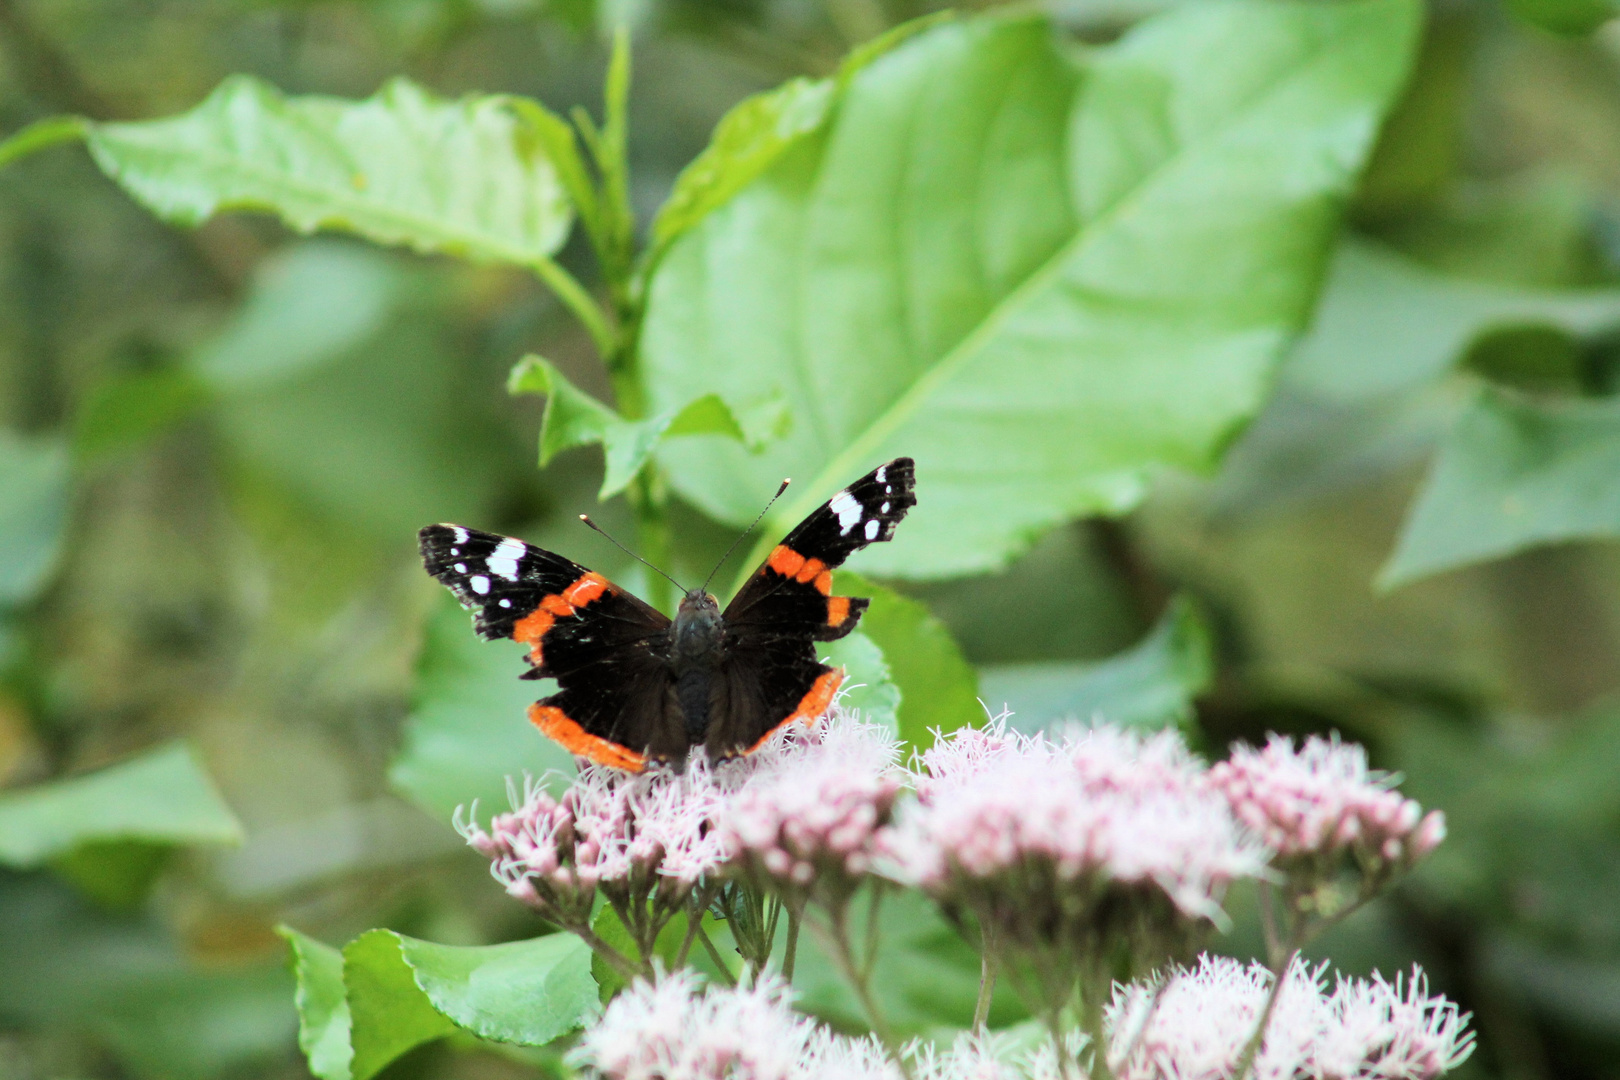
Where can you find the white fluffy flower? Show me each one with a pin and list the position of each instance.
(1103, 805)
(674, 1030)
(1321, 798)
(808, 816)
(1196, 1027)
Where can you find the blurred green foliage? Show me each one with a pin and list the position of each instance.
(216, 443)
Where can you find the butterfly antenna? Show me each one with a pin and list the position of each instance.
(587, 520)
(743, 535)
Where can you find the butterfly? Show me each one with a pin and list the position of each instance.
(637, 688)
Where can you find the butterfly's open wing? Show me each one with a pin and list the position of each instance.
(602, 645)
(771, 675)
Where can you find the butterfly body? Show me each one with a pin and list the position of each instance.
(637, 687)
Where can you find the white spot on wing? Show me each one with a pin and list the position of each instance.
(885, 508)
(505, 602)
(848, 510)
(882, 473)
(503, 561)
(872, 528)
(461, 568)
(479, 583)
(461, 534)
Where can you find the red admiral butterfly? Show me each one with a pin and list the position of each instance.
(637, 688)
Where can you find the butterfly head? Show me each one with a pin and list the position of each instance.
(698, 626)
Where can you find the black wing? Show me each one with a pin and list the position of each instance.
(771, 675)
(604, 646)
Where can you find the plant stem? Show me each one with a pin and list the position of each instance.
(790, 950)
(714, 954)
(614, 958)
(835, 937)
(987, 989)
(1252, 1050)
(579, 301)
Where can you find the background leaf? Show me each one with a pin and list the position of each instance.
(33, 512)
(1512, 473)
(1039, 368)
(163, 797)
(464, 177)
(1150, 685)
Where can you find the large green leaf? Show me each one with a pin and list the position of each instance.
(1512, 473)
(466, 177)
(33, 512)
(938, 687)
(1150, 685)
(468, 729)
(162, 797)
(1040, 281)
(403, 992)
(869, 683)
(758, 131)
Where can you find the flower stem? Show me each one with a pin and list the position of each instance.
(987, 989)
(835, 938)
(613, 957)
(1252, 1050)
(790, 950)
(714, 954)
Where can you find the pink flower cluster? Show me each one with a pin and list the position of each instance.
(1321, 799)
(1103, 805)
(674, 1029)
(609, 830)
(1198, 1025)
(809, 817)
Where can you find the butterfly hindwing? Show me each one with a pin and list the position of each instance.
(600, 643)
(771, 674)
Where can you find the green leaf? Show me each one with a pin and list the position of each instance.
(1513, 473)
(323, 1010)
(388, 1013)
(575, 418)
(871, 688)
(758, 131)
(403, 992)
(938, 687)
(34, 479)
(1044, 283)
(1150, 685)
(162, 797)
(468, 729)
(1573, 18)
(466, 177)
(1387, 325)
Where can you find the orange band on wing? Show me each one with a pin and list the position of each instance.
(586, 589)
(837, 610)
(810, 569)
(555, 724)
(823, 583)
(815, 702)
(533, 626)
(785, 561)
